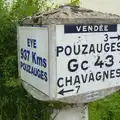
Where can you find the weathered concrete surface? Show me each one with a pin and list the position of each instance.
(106, 6)
(73, 112)
(70, 15)
(82, 98)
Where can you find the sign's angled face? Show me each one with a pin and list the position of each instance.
(33, 57)
(88, 58)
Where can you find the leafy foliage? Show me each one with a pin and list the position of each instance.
(23, 8)
(106, 109)
(75, 2)
(15, 104)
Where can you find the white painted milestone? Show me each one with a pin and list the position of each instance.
(88, 58)
(33, 57)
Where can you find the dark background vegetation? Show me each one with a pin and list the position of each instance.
(15, 103)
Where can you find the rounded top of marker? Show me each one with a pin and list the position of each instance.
(66, 14)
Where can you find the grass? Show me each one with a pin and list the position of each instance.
(106, 109)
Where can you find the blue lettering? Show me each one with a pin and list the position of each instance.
(34, 71)
(34, 57)
(39, 60)
(34, 44)
(25, 54)
(31, 43)
(28, 42)
(42, 75)
(44, 63)
(45, 74)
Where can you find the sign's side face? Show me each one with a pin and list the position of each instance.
(33, 57)
(88, 58)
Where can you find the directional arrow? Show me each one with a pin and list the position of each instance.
(64, 91)
(118, 37)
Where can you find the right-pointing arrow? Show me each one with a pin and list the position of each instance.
(64, 91)
(117, 37)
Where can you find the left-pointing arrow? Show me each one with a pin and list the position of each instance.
(64, 91)
(117, 37)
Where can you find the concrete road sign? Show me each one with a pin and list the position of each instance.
(33, 57)
(72, 57)
(86, 58)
